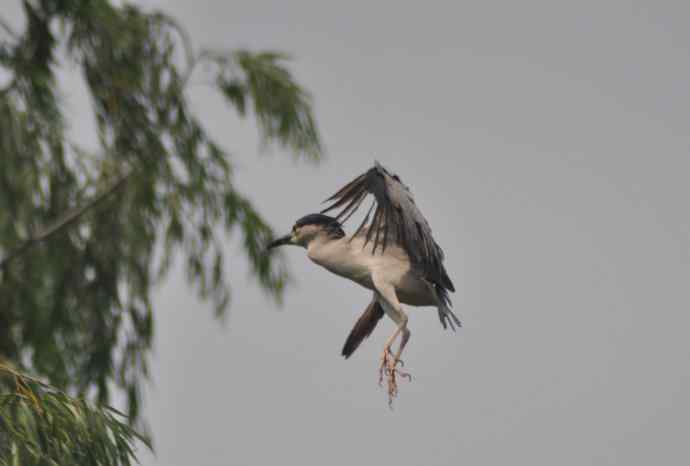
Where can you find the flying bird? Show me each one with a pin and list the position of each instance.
(392, 253)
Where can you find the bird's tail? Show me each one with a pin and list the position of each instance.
(445, 314)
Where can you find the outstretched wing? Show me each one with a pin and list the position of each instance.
(396, 219)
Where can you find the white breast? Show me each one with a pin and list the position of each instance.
(350, 260)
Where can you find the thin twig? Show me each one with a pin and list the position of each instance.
(66, 220)
(204, 55)
(8, 29)
(186, 40)
(190, 55)
(15, 373)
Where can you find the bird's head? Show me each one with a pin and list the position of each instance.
(308, 228)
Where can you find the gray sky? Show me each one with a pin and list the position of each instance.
(547, 144)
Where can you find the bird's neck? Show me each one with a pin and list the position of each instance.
(331, 253)
(322, 245)
(338, 256)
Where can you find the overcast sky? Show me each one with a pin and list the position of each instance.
(547, 144)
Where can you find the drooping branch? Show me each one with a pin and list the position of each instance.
(33, 411)
(191, 58)
(68, 219)
(184, 35)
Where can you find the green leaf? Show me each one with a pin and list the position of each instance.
(282, 107)
(236, 93)
(59, 429)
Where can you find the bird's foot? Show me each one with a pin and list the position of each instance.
(386, 359)
(390, 370)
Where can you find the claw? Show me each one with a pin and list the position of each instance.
(388, 368)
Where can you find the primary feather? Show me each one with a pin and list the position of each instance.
(396, 219)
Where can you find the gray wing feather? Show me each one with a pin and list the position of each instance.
(396, 218)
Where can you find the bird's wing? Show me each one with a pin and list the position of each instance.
(363, 327)
(396, 219)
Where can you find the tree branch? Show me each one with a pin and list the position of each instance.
(8, 29)
(9, 370)
(65, 221)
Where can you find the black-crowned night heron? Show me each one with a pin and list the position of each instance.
(392, 253)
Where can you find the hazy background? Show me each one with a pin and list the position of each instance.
(547, 143)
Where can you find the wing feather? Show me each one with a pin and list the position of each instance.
(365, 221)
(351, 207)
(396, 219)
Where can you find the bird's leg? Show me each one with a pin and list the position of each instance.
(388, 362)
(388, 368)
(385, 364)
(403, 342)
(392, 370)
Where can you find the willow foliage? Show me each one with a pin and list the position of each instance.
(79, 227)
(41, 425)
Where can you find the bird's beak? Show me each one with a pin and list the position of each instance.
(287, 239)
